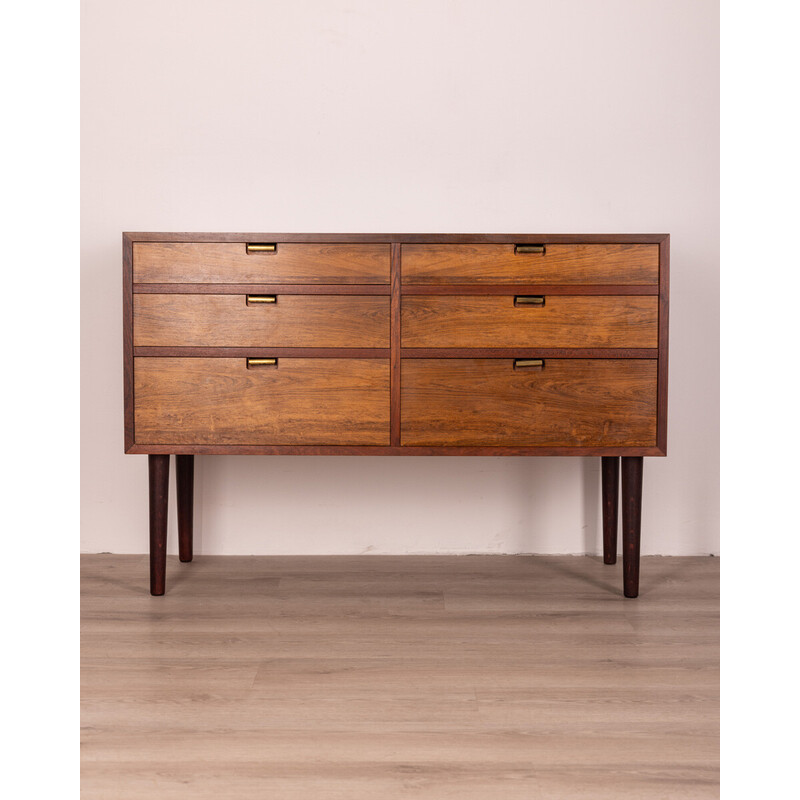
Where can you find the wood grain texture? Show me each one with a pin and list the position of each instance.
(201, 320)
(563, 321)
(503, 288)
(302, 401)
(663, 343)
(158, 479)
(609, 470)
(228, 262)
(561, 263)
(379, 450)
(395, 346)
(395, 242)
(265, 352)
(522, 352)
(632, 473)
(127, 340)
(269, 288)
(571, 402)
(371, 677)
(184, 484)
(403, 238)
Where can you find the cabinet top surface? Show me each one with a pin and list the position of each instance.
(408, 238)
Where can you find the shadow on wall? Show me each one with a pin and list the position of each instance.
(305, 505)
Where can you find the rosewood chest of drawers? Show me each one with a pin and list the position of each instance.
(396, 344)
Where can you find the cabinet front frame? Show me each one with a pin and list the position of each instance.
(395, 290)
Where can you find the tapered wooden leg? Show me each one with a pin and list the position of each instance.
(610, 472)
(184, 471)
(631, 522)
(158, 468)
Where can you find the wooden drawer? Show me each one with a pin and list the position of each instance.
(229, 262)
(560, 263)
(563, 321)
(227, 320)
(301, 401)
(568, 402)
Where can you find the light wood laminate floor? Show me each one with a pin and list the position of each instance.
(469, 677)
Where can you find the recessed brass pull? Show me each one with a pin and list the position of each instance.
(261, 362)
(527, 300)
(522, 249)
(528, 363)
(253, 299)
(261, 248)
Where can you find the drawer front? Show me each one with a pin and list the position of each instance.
(567, 403)
(301, 401)
(560, 263)
(218, 262)
(204, 320)
(562, 321)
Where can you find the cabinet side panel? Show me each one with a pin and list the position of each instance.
(127, 339)
(395, 341)
(663, 343)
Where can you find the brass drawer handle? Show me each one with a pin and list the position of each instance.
(260, 299)
(261, 362)
(522, 249)
(528, 363)
(527, 300)
(261, 248)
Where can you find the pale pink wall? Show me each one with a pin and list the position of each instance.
(462, 116)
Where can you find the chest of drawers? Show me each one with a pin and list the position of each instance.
(396, 344)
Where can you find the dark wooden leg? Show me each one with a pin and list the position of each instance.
(158, 468)
(631, 522)
(184, 471)
(610, 471)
